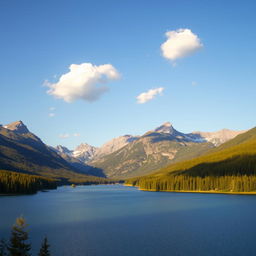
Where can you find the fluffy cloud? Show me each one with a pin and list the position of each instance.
(81, 82)
(51, 114)
(149, 95)
(180, 43)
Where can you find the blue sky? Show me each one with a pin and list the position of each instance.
(211, 89)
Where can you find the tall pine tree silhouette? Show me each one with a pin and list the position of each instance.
(44, 251)
(3, 247)
(19, 246)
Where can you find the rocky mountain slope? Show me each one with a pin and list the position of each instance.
(114, 145)
(152, 151)
(22, 151)
(85, 152)
(219, 137)
(128, 155)
(231, 167)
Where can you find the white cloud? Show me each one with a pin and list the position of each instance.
(149, 95)
(76, 134)
(180, 43)
(51, 114)
(64, 136)
(81, 82)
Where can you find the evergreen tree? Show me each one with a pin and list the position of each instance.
(44, 251)
(18, 241)
(3, 248)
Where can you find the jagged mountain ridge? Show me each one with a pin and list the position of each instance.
(87, 153)
(235, 161)
(218, 137)
(22, 151)
(84, 152)
(156, 149)
(129, 156)
(153, 150)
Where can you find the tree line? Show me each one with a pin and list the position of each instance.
(227, 183)
(19, 183)
(18, 244)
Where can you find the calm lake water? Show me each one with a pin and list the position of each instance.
(116, 220)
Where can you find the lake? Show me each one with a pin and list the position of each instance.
(109, 220)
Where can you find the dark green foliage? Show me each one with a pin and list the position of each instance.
(3, 248)
(19, 246)
(18, 183)
(237, 183)
(44, 250)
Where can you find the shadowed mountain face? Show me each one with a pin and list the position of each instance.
(229, 167)
(153, 150)
(129, 156)
(122, 157)
(21, 150)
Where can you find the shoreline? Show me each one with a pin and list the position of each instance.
(193, 191)
(200, 192)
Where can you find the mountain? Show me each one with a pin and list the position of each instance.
(84, 152)
(219, 137)
(166, 128)
(63, 150)
(18, 127)
(129, 156)
(77, 162)
(22, 151)
(114, 145)
(151, 151)
(231, 167)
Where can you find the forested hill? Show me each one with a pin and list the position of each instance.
(19, 183)
(231, 167)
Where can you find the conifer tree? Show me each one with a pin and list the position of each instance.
(44, 251)
(19, 246)
(3, 248)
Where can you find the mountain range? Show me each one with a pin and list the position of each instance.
(162, 159)
(231, 167)
(129, 156)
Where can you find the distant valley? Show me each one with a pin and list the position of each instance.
(121, 158)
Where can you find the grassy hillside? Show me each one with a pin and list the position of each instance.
(222, 168)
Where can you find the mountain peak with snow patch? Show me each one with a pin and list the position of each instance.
(18, 127)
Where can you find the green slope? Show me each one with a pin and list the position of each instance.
(232, 160)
